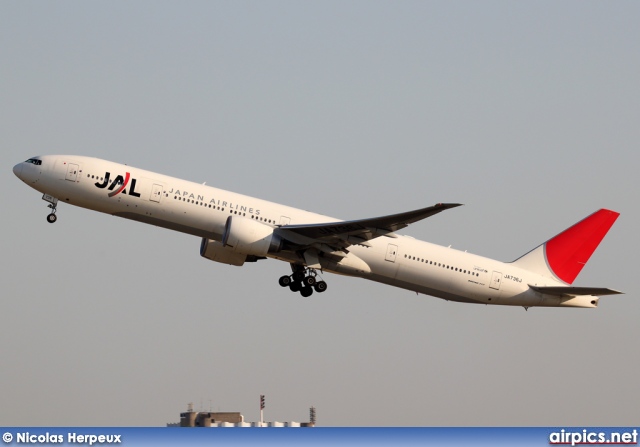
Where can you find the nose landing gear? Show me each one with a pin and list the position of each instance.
(303, 280)
(51, 218)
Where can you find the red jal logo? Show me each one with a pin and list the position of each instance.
(119, 180)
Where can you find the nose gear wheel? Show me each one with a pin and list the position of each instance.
(53, 202)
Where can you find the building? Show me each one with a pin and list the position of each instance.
(192, 418)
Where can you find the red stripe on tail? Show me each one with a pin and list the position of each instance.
(569, 251)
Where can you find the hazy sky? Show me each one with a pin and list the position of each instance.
(526, 112)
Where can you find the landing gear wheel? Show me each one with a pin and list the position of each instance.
(309, 281)
(51, 218)
(304, 280)
(285, 281)
(320, 286)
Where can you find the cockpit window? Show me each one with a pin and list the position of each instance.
(34, 161)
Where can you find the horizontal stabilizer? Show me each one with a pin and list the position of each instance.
(575, 291)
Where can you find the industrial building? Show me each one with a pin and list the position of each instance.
(192, 418)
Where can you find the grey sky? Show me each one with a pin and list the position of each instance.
(526, 112)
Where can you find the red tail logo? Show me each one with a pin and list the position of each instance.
(569, 251)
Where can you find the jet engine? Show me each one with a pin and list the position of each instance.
(249, 237)
(215, 251)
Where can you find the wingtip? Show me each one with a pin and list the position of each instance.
(448, 205)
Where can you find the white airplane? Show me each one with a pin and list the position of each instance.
(236, 229)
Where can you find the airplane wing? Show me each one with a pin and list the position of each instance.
(574, 291)
(341, 234)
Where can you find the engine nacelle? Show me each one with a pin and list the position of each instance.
(215, 251)
(249, 237)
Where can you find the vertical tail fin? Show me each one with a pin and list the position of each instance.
(563, 256)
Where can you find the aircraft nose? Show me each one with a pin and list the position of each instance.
(17, 170)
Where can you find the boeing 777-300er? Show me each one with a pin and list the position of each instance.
(236, 229)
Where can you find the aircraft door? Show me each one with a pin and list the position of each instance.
(495, 280)
(392, 251)
(284, 220)
(72, 172)
(156, 193)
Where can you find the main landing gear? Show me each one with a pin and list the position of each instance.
(303, 280)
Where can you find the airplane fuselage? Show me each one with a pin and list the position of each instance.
(203, 211)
